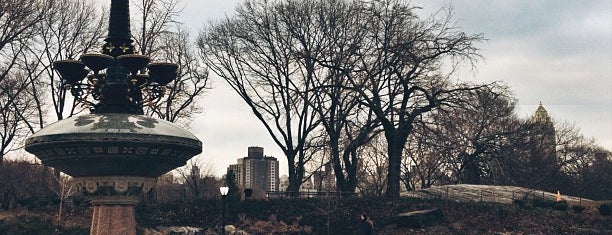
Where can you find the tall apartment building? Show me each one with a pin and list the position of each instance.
(256, 171)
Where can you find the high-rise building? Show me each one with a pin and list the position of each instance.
(543, 133)
(256, 171)
(236, 169)
(324, 179)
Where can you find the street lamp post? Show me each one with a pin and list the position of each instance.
(224, 190)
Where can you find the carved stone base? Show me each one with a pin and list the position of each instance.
(114, 190)
(113, 220)
(114, 199)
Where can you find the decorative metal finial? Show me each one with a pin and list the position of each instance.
(116, 78)
(119, 30)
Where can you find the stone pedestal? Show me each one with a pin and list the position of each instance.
(113, 220)
(114, 199)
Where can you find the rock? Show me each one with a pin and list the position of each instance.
(419, 219)
(211, 231)
(239, 232)
(230, 229)
(502, 233)
(150, 231)
(174, 230)
(591, 231)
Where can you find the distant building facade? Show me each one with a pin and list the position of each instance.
(284, 183)
(324, 179)
(256, 171)
(543, 134)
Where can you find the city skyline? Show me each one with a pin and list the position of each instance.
(555, 52)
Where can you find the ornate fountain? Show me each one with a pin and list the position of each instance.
(115, 153)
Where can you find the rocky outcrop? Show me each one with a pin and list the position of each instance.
(489, 193)
(173, 231)
(419, 219)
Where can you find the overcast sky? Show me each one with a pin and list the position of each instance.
(556, 52)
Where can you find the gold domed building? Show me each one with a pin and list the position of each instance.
(543, 134)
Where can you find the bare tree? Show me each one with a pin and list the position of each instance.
(17, 20)
(569, 162)
(191, 83)
(572, 150)
(154, 19)
(15, 111)
(58, 30)
(530, 158)
(472, 134)
(315, 168)
(372, 167)
(593, 176)
(401, 72)
(159, 35)
(23, 183)
(63, 192)
(423, 161)
(65, 29)
(262, 52)
(68, 29)
(270, 53)
(17, 25)
(168, 189)
(346, 124)
(198, 180)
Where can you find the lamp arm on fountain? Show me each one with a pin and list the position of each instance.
(117, 78)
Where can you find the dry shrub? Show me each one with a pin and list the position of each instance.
(272, 225)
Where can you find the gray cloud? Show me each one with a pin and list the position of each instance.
(557, 52)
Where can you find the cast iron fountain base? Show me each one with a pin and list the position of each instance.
(113, 158)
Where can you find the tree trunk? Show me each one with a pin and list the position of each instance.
(471, 170)
(295, 176)
(351, 169)
(59, 212)
(394, 151)
(335, 158)
(346, 183)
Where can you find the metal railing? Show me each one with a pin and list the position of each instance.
(306, 194)
(491, 195)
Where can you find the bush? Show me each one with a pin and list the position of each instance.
(578, 209)
(519, 202)
(560, 205)
(26, 225)
(605, 209)
(14, 175)
(542, 203)
(337, 215)
(75, 231)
